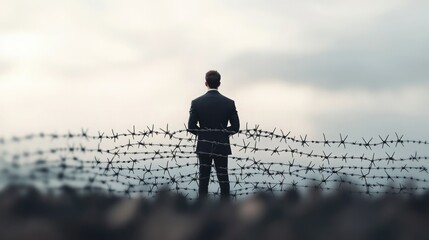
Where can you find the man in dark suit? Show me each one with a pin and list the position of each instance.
(213, 111)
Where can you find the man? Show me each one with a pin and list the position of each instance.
(213, 111)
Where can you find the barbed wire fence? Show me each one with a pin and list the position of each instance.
(145, 162)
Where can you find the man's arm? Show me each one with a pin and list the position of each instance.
(234, 120)
(193, 119)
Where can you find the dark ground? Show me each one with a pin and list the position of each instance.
(26, 213)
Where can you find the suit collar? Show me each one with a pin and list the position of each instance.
(213, 91)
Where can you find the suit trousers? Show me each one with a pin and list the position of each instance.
(221, 166)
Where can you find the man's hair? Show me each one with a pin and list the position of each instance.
(213, 79)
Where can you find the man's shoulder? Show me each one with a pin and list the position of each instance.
(198, 98)
(205, 96)
(228, 99)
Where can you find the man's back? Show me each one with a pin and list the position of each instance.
(213, 111)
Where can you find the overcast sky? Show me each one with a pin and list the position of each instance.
(311, 67)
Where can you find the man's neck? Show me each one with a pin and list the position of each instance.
(212, 89)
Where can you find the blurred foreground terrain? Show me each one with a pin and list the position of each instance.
(26, 213)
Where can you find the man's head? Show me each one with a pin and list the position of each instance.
(212, 79)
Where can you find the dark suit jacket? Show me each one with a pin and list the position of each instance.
(213, 111)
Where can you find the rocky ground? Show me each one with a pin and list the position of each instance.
(26, 213)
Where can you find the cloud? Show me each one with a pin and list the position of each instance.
(313, 110)
(106, 64)
(4, 67)
(389, 53)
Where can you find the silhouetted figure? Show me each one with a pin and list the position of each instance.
(213, 111)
